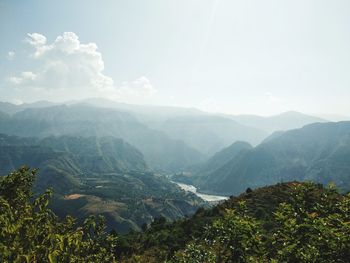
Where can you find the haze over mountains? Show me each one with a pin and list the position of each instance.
(281, 122)
(115, 159)
(201, 134)
(160, 151)
(317, 152)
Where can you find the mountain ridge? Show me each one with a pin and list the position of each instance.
(318, 152)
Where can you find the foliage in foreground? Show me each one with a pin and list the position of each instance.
(312, 224)
(290, 222)
(30, 232)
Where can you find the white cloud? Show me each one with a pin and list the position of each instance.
(36, 39)
(25, 77)
(68, 69)
(10, 55)
(65, 64)
(140, 87)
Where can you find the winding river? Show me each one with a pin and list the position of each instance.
(206, 197)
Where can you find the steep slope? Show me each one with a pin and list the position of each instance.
(161, 152)
(60, 168)
(65, 160)
(105, 154)
(318, 152)
(261, 207)
(93, 176)
(284, 121)
(209, 167)
(209, 134)
(223, 156)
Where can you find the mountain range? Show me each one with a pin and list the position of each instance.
(171, 138)
(160, 151)
(115, 159)
(317, 152)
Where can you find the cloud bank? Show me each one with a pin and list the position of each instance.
(64, 64)
(73, 69)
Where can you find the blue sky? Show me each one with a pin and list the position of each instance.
(260, 57)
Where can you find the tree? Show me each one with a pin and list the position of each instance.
(30, 232)
(312, 231)
(312, 226)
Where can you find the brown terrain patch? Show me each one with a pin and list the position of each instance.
(72, 196)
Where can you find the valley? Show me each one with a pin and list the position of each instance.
(114, 160)
(214, 199)
(159, 181)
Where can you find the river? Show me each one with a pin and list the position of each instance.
(206, 197)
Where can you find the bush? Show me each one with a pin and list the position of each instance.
(30, 232)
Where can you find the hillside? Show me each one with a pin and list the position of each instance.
(289, 222)
(317, 152)
(161, 152)
(92, 176)
(278, 222)
(212, 164)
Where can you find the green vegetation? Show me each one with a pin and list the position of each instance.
(289, 222)
(30, 232)
(92, 176)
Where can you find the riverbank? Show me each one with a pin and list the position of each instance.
(205, 197)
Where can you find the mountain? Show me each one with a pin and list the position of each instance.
(161, 152)
(204, 133)
(209, 134)
(212, 164)
(68, 159)
(284, 121)
(4, 116)
(318, 152)
(10, 108)
(105, 154)
(145, 113)
(93, 176)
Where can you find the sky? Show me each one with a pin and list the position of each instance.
(236, 57)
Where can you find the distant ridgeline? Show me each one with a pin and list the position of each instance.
(318, 152)
(171, 139)
(161, 152)
(97, 176)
